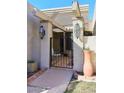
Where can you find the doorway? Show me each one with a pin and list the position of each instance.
(61, 50)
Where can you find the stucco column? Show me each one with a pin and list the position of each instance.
(78, 46)
(45, 45)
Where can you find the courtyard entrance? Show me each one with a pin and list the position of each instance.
(61, 50)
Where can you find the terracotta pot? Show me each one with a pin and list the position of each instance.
(93, 60)
(32, 66)
(88, 67)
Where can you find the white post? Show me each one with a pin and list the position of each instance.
(45, 45)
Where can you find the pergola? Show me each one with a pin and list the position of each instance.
(46, 16)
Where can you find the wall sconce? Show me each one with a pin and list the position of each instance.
(77, 30)
(42, 32)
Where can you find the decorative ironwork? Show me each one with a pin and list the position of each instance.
(60, 58)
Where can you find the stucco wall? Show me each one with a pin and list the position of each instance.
(45, 46)
(77, 49)
(90, 41)
(29, 37)
(33, 39)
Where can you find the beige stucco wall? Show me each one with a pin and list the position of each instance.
(29, 38)
(33, 39)
(45, 46)
(77, 48)
(90, 41)
(38, 49)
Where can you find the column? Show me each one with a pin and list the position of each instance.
(45, 45)
(78, 45)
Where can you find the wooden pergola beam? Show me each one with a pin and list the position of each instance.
(44, 17)
(76, 8)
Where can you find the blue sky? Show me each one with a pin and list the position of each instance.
(45, 4)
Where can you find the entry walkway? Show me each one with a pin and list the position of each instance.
(54, 80)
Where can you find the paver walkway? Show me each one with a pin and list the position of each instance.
(55, 80)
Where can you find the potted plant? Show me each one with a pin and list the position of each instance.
(87, 67)
(31, 66)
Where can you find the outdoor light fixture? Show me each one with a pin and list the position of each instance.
(42, 32)
(77, 30)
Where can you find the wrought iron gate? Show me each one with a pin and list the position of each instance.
(61, 52)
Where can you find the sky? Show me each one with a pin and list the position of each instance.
(45, 4)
